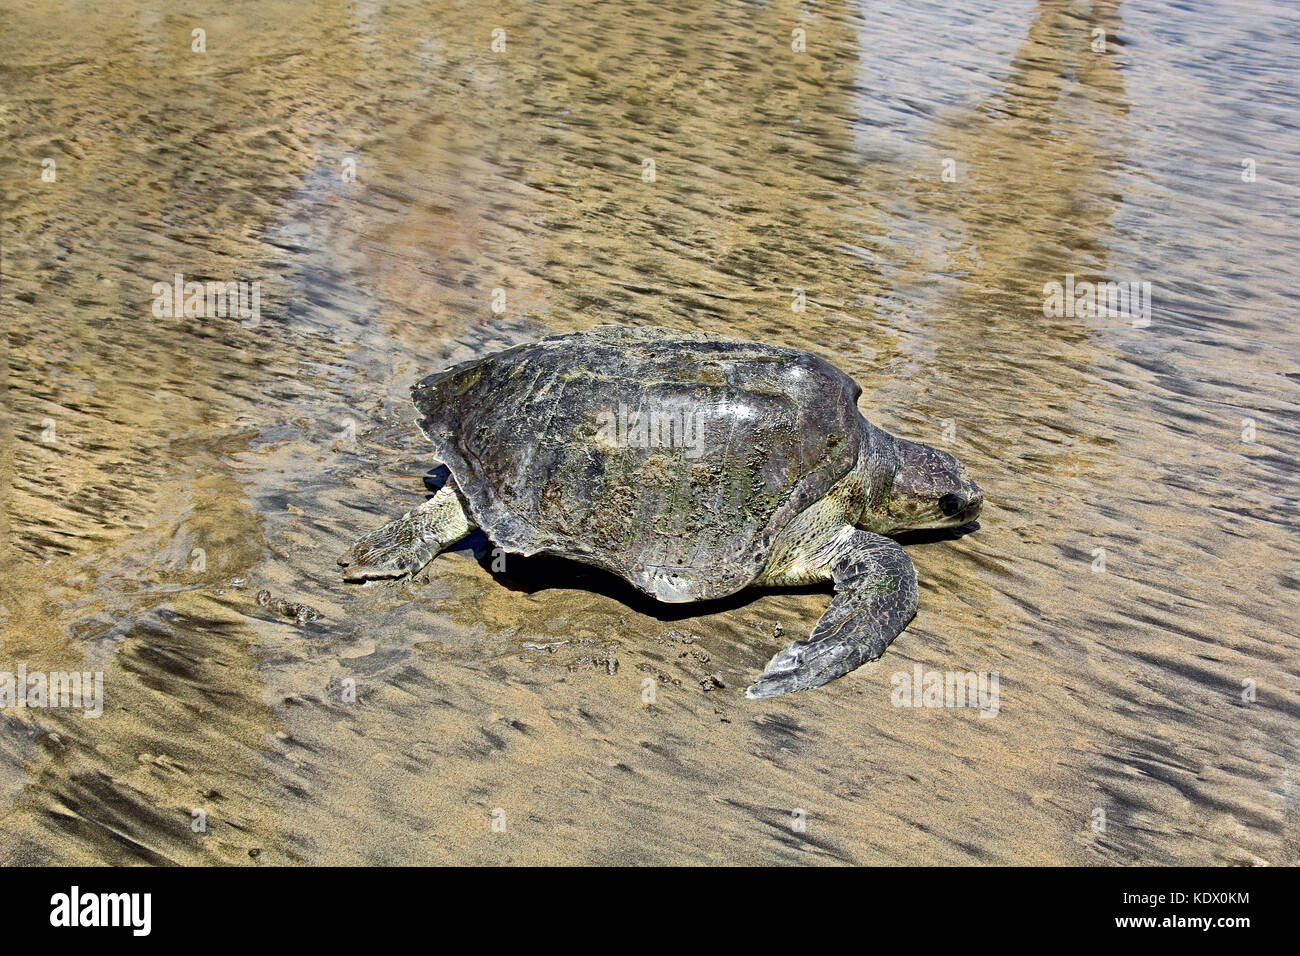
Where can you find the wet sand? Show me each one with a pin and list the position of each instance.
(161, 472)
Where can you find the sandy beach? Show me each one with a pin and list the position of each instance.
(406, 196)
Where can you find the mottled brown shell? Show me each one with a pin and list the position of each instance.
(532, 437)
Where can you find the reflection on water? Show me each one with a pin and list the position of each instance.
(920, 173)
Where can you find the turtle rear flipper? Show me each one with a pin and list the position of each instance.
(404, 546)
(875, 598)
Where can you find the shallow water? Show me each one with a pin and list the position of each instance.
(163, 471)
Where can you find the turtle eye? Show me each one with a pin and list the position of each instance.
(950, 505)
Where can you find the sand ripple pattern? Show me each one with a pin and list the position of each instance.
(160, 472)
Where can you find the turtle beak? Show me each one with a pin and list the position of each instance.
(970, 508)
(962, 507)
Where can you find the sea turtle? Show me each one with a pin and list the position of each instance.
(690, 466)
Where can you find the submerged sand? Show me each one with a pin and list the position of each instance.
(161, 472)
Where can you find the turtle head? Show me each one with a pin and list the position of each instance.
(930, 490)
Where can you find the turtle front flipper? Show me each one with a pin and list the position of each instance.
(404, 546)
(875, 598)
